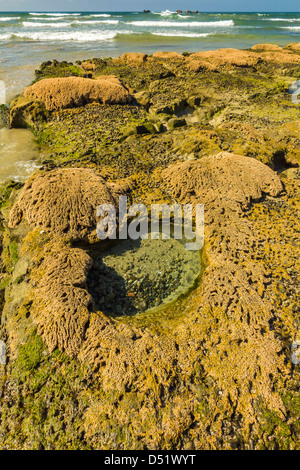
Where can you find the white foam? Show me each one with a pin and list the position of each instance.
(10, 18)
(104, 15)
(28, 24)
(90, 36)
(51, 18)
(288, 20)
(167, 13)
(164, 13)
(96, 22)
(291, 28)
(192, 24)
(55, 14)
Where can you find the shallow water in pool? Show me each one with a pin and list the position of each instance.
(138, 275)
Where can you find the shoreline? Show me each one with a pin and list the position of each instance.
(28, 39)
(13, 90)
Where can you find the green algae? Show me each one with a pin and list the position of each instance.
(52, 69)
(29, 356)
(6, 190)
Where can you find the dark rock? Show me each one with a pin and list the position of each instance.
(176, 122)
(194, 101)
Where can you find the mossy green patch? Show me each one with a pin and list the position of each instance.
(29, 355)
(52, 69)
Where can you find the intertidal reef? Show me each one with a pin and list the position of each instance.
(138, 346)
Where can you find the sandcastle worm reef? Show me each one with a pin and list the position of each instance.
(136, 345)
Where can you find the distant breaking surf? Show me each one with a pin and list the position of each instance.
(55, 14)
(182, 23)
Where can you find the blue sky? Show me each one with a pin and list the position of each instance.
(156, 5)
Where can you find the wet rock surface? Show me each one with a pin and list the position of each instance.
(218, 367)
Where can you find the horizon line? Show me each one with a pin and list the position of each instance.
(141, 11)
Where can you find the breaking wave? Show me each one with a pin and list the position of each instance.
(182, 24)
(89, 36)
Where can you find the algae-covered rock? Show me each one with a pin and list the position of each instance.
(143, 98)
(88, 65)
(214, 370)
(167, 109)
(26, 112)
(4, 115)
(176, 122)
(197, 64)
(55, 68)
(143, 128)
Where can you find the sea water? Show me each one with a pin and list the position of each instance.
(18, 154)
(28, 39)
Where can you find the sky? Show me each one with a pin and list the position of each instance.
(155, 5)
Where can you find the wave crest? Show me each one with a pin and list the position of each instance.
(182, 24)
(90, 36)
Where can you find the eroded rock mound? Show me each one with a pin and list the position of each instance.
(130, 58)
(110, 78)
(60, 300)
(266, 47)
(221, 57)
(63, 202)
(167, 55)
(293, 47)
(226, 184)
(261, 53)
(69, 92)
(229, 176)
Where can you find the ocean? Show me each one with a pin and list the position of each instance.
(28, 39)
